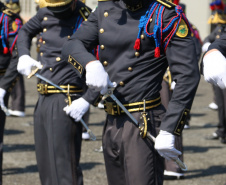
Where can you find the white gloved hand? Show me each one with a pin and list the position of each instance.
(77, 109)
(164, 144)
(2, 95)
(25, 63)
(205, 46)
(173, 84)
(97, 77)
(214, 69)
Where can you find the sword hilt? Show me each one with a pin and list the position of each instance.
(33, 72)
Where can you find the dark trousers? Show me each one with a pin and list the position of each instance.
(18, 95)
(2, 128)
(57, 142)
(221, 102)
(166, 94)
(130, 159)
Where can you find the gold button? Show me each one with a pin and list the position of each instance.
(105, 14)
(58, 59)
(137, 54)
(182, 122)
(79, 67)
(44, 30)
(121, 83)
(105, 63)
(192, 34)
(82, 8)
(150, 20)
(102, 47)
(185, 113)
(51, 69)
(142, 37)
(218, 36)
(69, 36)
(45, 18)
(101, 30)
(41, 54)
(130, 68)
(70, 59)
(178, 130)
(43, 42)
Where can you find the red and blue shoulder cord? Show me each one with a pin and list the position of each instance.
(4, 22)
(168, 31)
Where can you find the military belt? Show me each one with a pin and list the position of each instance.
(113, 109)
(2, 71)
(49, 89)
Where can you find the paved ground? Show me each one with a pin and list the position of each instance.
(206, 160)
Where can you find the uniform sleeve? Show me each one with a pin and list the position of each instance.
(183, 64)
(84, 40)
(219, 44)
(27, 32)
(212, 37)
(92, 96)
(11, 71)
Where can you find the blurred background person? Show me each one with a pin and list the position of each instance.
(10, 24)
(218, 22)
(17, 106)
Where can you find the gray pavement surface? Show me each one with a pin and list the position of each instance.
(205, 159)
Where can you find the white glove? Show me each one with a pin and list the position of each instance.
(2, 95)
(25, 63)
(205, 46)
(173, 84)
(164, 144)
(77, 109)
(97, 77)
(214, 69)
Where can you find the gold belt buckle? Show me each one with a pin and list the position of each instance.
(42, 88)
(109, 108)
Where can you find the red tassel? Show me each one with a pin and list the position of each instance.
(137, 44)
(176, 2)
(212, 7)
(157, 52)
(6, 50)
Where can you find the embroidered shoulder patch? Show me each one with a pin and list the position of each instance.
(182, 30)
(14, 26)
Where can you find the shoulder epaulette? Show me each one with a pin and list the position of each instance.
(84, 12)
(8, 12)
(167, 3)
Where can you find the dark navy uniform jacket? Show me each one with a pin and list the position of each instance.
(219, 44)
(8, 61)
(55, 32)
(138, 75)
(216, 33)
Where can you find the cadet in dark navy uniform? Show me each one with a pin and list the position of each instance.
(138, 39)
(214, 71)
(10, 24)
(57, 136)
(219, 18)
(17, 107)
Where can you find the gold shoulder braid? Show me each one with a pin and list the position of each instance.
(167, 3)
(7, 12)
(84, 12)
